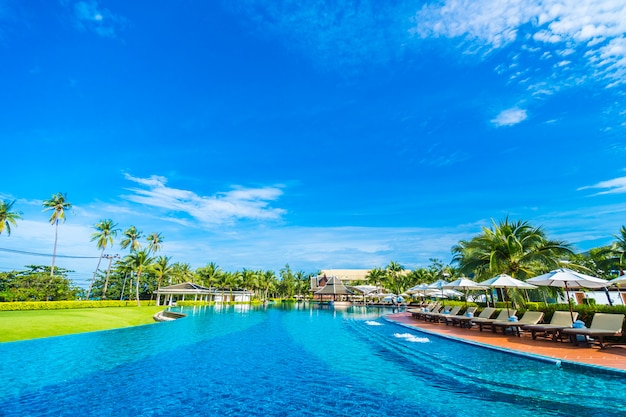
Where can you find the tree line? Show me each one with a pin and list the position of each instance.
(516, 248)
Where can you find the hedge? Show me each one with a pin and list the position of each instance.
(63, 305)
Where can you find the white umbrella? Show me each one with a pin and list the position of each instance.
(505, 281)
(619, 281)
(464, 284)
(568, 279)
(438, 285)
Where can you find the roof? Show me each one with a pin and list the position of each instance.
(184, 288)
(334, 286)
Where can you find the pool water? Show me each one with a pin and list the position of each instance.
(304, 360)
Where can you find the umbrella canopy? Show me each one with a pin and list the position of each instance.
(505, 281)
(568, 279)
(464, 284)
(438, 285)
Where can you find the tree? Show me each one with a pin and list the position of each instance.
(8, 217)
(615, 253)
(514, 248)
(131, 239)
(104, 234)
(58, 204)
(376, 276)
(393, 270)
(138, 261)
(155, 241)
(162, 268)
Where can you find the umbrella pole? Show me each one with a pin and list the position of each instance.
(506, 297)
(571, 312)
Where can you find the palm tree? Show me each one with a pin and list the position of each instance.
(132, 236)
(138, 261)
(8, 217)
(615, 253)
(376, 276)
(162, 268)
(155, 240)
(58, 203)
(393, 272)
(104, 234)
(514, 248)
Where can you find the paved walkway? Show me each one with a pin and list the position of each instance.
(613, 357)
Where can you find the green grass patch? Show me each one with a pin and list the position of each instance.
(31, 324)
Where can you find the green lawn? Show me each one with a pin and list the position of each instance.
(31, 324)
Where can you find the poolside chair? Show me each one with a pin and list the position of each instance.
(529, 318)
(419, 312)
(503, 316)
(437, 317)
(602, 325)
(449, 318)
(465, 321)
(560, 320)
(427, 316)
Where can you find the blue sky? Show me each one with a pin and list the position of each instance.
(320, 134)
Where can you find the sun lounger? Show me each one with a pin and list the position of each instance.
(427, 316)
(560, 320)
(502, 316)
(419, 313)
(529, 318)
(449, 318)
(416, 312)
(437, 317)
(602, 325)
(465, 321)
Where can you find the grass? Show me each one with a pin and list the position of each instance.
(32, 324)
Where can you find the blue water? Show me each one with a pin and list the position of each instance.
(304, 361)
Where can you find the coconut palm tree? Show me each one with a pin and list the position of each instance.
(155, 241)
(615, 253)
(8, 217)
(514, 248)
(376, 276)
(162, 268)
(131, 239)
(139, 261)
(104, 235)
(58, 204)
(393, 271)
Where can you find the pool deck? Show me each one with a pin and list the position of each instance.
(612, 357)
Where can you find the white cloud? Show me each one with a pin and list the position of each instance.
(240, 203)
(510, 117)
(90, 16)
(614, 186)
(596, 28)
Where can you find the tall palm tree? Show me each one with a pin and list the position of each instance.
(131, 239)
(104, 235)
(376, 276)
(615, 253)
(155, 241)
(8, 217)
(393, 272)
(58, 204)
(162, 268)
(138, 261)
(514, 248)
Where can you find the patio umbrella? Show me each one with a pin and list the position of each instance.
(619, 281)
(438, 285)
(464, 284)
(568, 279)
(505, 281)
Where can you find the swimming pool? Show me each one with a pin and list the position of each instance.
(301, 360)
